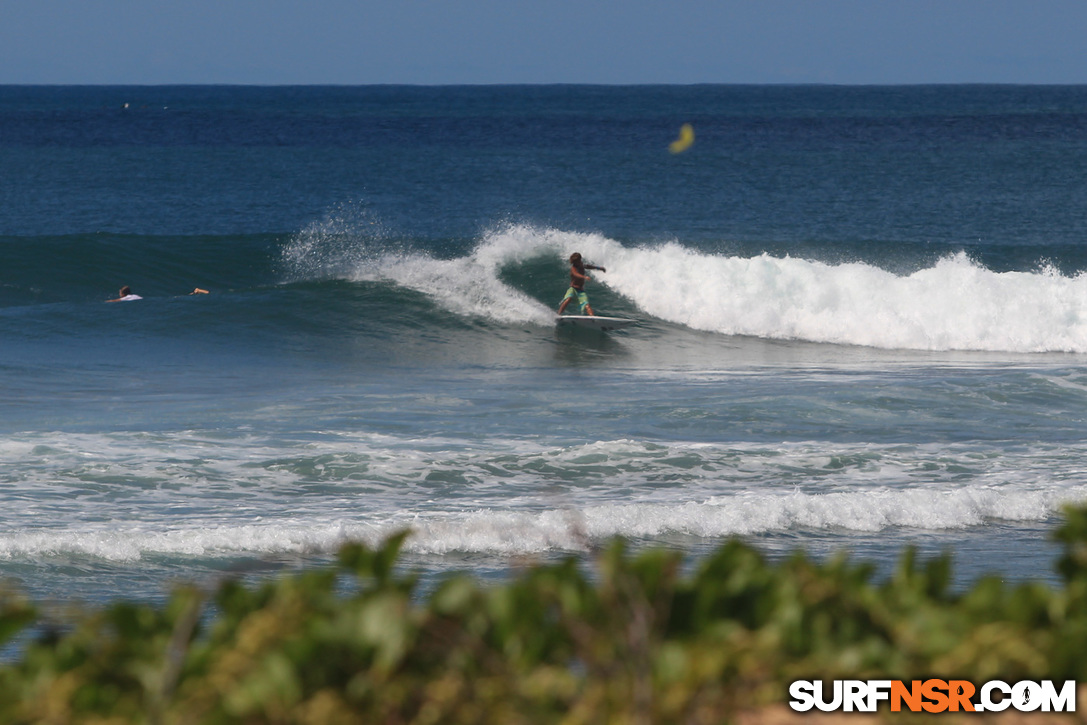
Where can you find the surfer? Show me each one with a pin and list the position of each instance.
(125, 295)
(578, 278)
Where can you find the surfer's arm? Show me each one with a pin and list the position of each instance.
(593, 266)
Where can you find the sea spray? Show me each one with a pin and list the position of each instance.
(345, 248)
(349, 236)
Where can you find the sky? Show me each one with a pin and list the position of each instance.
(438, 42)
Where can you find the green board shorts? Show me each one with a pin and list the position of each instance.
(582, 298)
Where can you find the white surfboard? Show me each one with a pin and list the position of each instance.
(593, 322)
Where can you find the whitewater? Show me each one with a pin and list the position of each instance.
(128, 501)
(956, 304)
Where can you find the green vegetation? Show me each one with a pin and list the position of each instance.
(637, 641)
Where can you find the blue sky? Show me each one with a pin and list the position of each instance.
(542, 41)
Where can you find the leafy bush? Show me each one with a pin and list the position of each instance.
(634, 642)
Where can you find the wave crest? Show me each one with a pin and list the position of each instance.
(955, 304)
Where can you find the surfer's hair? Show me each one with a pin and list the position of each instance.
(575, 257)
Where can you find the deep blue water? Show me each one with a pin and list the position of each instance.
(863, 323)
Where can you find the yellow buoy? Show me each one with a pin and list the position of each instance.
(686, 138)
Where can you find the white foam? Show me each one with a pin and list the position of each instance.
(128, 496)
(868, 511)
(466, 286)
(508, 532)
(954, 305)
(346, 248)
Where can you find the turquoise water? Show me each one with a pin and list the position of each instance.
(863, 323)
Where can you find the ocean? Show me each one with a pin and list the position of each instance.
(862, 325)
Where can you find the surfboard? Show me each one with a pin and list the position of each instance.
(593, 322)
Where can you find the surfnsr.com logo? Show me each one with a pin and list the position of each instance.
(933, 696)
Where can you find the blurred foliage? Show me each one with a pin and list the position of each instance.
(636, 640)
